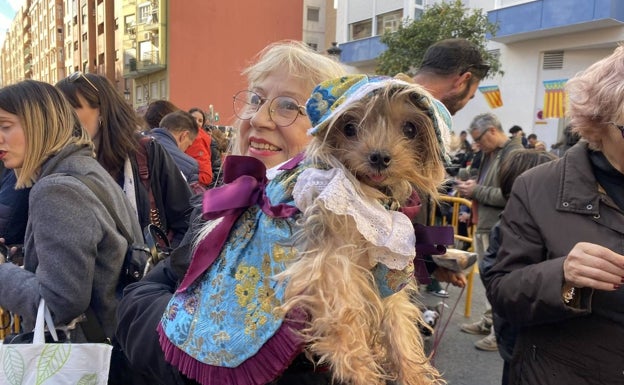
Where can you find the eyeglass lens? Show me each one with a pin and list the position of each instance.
(283, 110)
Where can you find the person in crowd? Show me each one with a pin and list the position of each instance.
(147, 174)
(531, 140)
(283, 71)
(73, 252)
(569, 139)
(516, 163)
(558, 273)
(517, 132)
(451, 71)
(539, 146)
(176, 131)
(477, 156)
(466, 149)
(201, 149)
(13, 208)
(487, 203)
(156, 111)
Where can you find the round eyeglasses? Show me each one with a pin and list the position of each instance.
(283, 110)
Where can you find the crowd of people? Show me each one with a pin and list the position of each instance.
(548, 225)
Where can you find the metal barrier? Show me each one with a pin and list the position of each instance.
(9, 323)
(455, 203)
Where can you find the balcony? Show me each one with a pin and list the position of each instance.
(150, 62)
(544, 18)
(361, 51)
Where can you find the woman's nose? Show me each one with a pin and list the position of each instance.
(262, 117)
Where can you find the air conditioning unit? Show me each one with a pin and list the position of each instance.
(147, 35)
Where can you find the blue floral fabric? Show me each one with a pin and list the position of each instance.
(229, 313)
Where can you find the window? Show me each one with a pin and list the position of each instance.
(154, 90)
(389, 22)
(361, 29)
(145, 14)
(83, 14)
(313, 14)
(163, 88)
(129, 22)
(139, 93)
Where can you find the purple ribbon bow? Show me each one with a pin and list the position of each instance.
(245, 182)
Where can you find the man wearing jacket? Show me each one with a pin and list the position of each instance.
(487, 203)
(176, 132)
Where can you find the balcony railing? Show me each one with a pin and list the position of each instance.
(543, 18)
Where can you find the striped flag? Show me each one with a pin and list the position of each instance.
(492, 96)
(554, 98)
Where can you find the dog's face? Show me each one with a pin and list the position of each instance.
(388, 143)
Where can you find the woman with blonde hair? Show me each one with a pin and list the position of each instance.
(72, 269)
(272, 127)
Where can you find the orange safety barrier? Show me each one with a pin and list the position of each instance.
(434, 219)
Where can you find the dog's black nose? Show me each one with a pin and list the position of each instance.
(379, 159)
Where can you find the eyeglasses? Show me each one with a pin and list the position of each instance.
(480, 70)
(79, 75)
(283, 110)
(478, 138)
(619, 127)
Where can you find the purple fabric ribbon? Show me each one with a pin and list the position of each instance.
(244, 186)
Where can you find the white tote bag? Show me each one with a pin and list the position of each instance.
(43, 363)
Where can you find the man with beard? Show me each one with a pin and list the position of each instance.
(451, 71)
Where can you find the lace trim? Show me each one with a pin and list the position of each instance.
(391, 232)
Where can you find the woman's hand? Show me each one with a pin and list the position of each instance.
(593, 266)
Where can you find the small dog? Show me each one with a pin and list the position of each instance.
(376, 142)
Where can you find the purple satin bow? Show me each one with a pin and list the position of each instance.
(245, 182)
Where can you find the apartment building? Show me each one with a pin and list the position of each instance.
(191, 52)
(541, 44)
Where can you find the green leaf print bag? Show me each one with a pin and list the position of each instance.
(41, 363)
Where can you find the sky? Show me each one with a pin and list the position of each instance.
(8, 8)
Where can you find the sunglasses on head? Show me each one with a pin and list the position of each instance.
(79, 75)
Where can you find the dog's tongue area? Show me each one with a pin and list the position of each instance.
(377, 178)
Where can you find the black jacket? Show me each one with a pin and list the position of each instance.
(171, 193)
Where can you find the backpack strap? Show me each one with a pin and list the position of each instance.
(142, 158)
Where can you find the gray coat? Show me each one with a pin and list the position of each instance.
(490, 200)
(551, 208)
(73, 251)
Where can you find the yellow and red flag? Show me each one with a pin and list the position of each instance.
(554, 98)
(492, 96)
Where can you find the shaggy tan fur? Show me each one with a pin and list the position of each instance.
(366, 339)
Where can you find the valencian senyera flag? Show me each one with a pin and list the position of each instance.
(554, 98)
(492, 96)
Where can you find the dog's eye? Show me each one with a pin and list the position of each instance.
(409, 130)
(350, 129)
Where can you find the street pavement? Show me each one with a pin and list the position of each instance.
(459, 362)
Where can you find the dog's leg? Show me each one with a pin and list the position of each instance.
(404, 343)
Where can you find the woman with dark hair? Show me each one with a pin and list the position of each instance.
(201, 148)
(208, 131)
(147, 174)
(156, 111)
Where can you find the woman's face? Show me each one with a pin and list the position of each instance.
(12, 140)
(89, 117)
(260, 137)
(199, 118)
